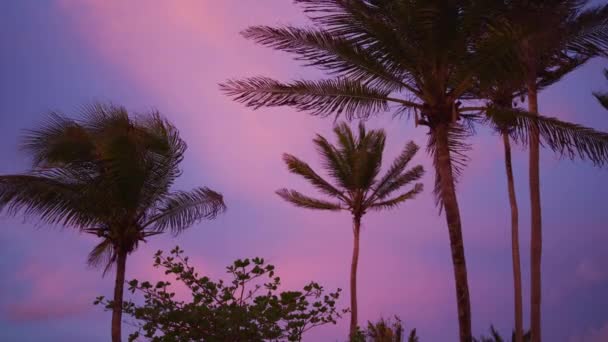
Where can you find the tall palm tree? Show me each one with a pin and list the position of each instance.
(417, 57)
(547, 35)
(504, 100)
(354, 165)
(108, 174)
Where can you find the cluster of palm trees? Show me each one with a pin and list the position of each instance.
(449, 65)
(426, 58)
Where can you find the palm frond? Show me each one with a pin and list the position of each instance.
(399, 164)
(457, 134)
(298, 199)
(162, 165)
(398, 182)
(58, 140)
(337, 55)
(102, 255)
(602, 98)
(53, 201)
(301, 168)
(334, 163)
(588, 34)
(562, 137)
(362, 155)
(324, 97)
(396, 201)
(181, 209)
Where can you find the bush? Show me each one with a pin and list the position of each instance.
(246, 308)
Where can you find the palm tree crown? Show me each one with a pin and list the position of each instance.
(354, 166)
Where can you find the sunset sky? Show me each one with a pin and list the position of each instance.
(171, 55)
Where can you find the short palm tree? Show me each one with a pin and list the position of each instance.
(108, 174)
(388, 331)
(354, 165)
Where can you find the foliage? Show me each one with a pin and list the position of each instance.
(248, 307)
(354, 165)
(385, 331)
(495, 337)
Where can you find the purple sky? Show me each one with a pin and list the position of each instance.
(57, 55)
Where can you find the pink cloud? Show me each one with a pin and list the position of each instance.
(52, 293)
(589, 271)
(593, 335)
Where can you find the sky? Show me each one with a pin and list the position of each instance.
(59, 55)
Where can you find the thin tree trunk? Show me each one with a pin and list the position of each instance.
(353, 277)
(443, 164)
(518, 311)
(121, 263)
(536, 243)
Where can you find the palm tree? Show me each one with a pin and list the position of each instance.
(108, 174)
(602, 97)
(387, 331)
(504, 100)
(546, 35)
(414, 57)
(354, 166)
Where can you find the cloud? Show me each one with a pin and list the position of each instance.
(593, 335)
(589, 271)
(50, 293)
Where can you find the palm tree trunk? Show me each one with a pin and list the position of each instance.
(353, 277)
(536, 243)
(518, 311)
(443, 165)
(121, 263)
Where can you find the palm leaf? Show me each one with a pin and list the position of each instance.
(562, 137)
(369, 160)
(102, 255)
(398, 182)
(458, 148)
(334, 163)
(298, 167)
(325, 97)
(182, 209)
(303, 201)
(602, 99)
(335, 54)
(58, 140)
(589, 32)
(395, 201)
(397, 167)
(52, 200)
